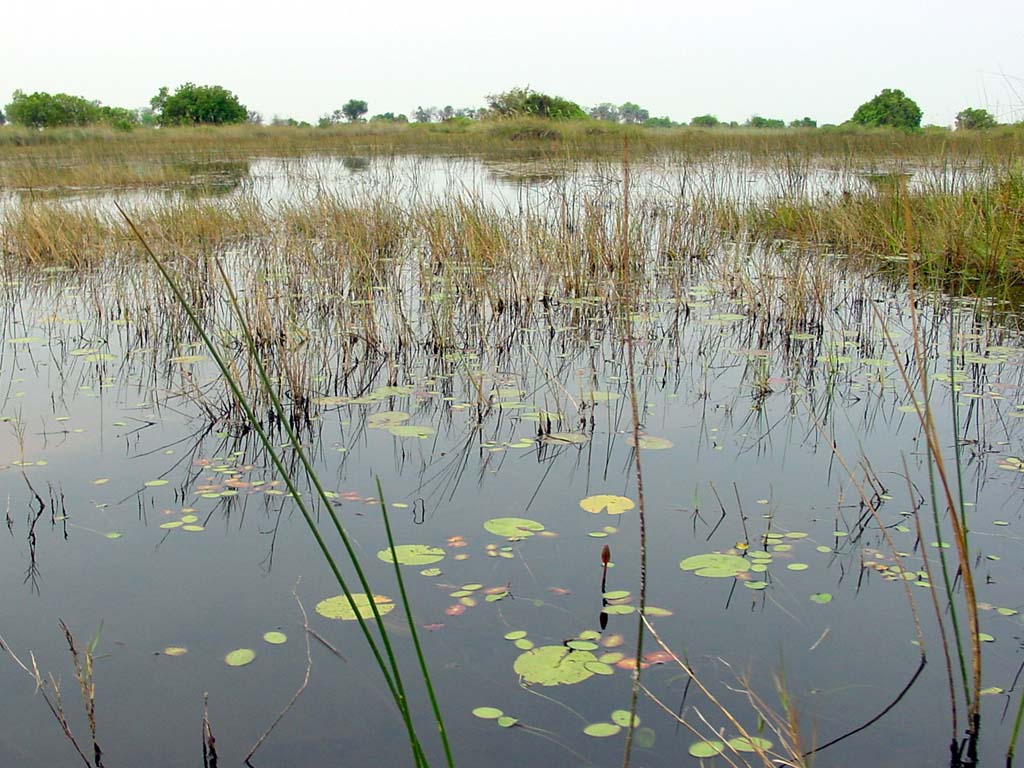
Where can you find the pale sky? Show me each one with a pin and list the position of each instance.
(305, 58)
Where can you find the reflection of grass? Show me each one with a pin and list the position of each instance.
(389, 667)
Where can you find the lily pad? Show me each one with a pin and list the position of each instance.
(338, 607)
(651, 443)
(706, 748)
(602, 730)
(240, 657)
(716, 565)
(821, 598)
(386, 419)
(614, 505)
(275, 638)
(743, 744)
(555, 665)
(513, 527)
(621, 717)
(413, 554)
(487, 713)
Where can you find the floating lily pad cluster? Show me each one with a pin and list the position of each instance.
(467, 599)
(495, 714)
(705, 749)
(620, 719)
(187, 522)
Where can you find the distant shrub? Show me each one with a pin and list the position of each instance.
(891, 108)
(524, 102)
(971, 119)
(193, 104)
(705, 121)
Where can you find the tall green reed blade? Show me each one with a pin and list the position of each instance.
(392, 678)
(407, 607)
(1011, 750)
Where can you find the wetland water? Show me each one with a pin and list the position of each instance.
(776, 428)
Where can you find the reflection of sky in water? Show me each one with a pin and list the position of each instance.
(515, 183)
(743, 438)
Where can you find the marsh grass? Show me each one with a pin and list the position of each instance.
(373, 288)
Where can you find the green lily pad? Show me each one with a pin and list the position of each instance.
(614, 505)
(275, 638)
(715, 565)
(821, 598)
(555, 665)
(602, 730)
(706, 748)
(413, 554)
(338, 607)
(621, 717)
(743, 744)
(505, 721)
(240, 657)
(487, 713)
(513, 527)
(616, 594)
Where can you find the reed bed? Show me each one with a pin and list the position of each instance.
(94, 156)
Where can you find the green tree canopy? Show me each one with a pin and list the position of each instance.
(704, 121)
(193, 104)
(803, 122)
(971, 119)
(756, 121)
(659, 122)
(891, 108)
(633, 113)
(522, 102)
(46, 110)
(389, 117)
(606, 111)
(354, 109)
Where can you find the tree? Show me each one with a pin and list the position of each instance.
(424, 114)
(971, 119)
(633, 113)
(389, 117)
(659, 122)
(45, 110)
(891, 108)
(524, 102)
(704, 121)
(756, 121)
(354, 109)
(606, 111)
(804, 122)
(118, 117)
(3, 118)
(193, 104)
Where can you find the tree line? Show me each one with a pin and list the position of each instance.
(192, 104)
